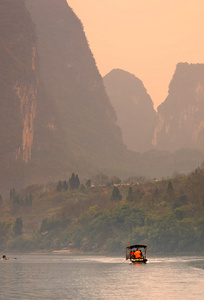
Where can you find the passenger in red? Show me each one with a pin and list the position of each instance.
(132, 254)
(138, 254)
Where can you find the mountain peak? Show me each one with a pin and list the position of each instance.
(134, 108)
(180, 117)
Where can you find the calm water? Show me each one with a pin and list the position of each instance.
(101, 277)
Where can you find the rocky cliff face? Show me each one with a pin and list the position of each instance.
(19, 80)
(86, 119)
(56, 117)
(18, 89)
(180, 121)
(134, 109)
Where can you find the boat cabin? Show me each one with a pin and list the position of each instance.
(136, 253)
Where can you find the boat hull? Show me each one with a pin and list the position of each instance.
(138, 260)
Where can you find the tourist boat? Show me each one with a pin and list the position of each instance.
(132, 253)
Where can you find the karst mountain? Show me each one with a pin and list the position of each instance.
(59, 116)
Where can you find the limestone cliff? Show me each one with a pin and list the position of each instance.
(134, 108)
(18, 89)
(27, 98)
(55, 115)
(86, 120)
(180, 122)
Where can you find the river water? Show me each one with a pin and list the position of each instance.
(101, 277)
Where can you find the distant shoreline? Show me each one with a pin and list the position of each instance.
(80, 252)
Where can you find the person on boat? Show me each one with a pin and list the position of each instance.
(138, 254)
(132, 254)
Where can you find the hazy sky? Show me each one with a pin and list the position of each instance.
(144, 37)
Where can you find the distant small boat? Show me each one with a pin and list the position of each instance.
(4, 257)
(136, 253)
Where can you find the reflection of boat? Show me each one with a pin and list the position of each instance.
(136, 253)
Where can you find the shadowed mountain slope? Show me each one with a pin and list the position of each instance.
(71, 77)
(55, 114)
(134, 109)
(18, 90)
(180, 121)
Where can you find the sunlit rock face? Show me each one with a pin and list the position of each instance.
(180, 122)
(55, 115)
(27, 99)
(19, 80)
(134, 109)
(18, 90)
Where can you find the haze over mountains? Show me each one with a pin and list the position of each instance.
(55, 111)
(179, 122)
(72, 79)
(134, 109)
(56, 116)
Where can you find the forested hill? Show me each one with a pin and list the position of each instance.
(168, 215)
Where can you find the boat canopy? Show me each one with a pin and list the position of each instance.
(137, 246)
(133, 248)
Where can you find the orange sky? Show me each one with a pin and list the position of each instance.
(146, 38)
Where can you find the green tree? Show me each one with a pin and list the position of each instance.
(18, 227)
(130, 194)
(65, 185)
(156, 192)
(77, 181)
(59, 186)
(74, 181)
(116, 194)
(5, 233)
(88, 183)
(29, 200)
(170, 188)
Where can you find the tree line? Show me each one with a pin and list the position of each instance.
(168, 215)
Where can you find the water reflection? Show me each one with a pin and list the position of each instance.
(101, 277)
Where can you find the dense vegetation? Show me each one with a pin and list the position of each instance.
(168, 215)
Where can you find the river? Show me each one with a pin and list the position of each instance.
(88, 277)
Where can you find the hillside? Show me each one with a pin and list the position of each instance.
(168, 215)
